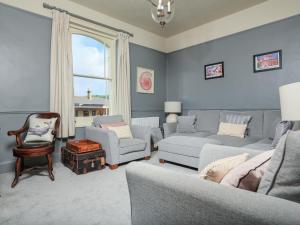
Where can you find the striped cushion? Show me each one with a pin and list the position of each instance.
(281, 129)
(238, 118)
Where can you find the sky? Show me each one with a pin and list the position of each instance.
(88, 59)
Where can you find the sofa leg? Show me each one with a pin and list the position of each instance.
(113, 167)
(147, 158)
(162, 161)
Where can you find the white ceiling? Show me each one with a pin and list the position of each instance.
(188, 13)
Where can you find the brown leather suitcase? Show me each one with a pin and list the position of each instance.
(82, 146)
(82, 163)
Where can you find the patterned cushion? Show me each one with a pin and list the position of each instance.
(238, 118)
(186, 124)
(40, 130)
(281, 128)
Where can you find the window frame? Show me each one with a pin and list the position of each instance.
(107, 40)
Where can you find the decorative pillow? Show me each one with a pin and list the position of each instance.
(122, 131)
(96, 121)
(186, 124)
(216, 170)
(231, 129)
(40, 130)
(237, 119)
(248, 174)
(282, 178)
(117, 124)
(281, 128)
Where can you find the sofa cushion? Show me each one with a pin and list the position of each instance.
(183, 145)
(131, 145)
(271, 119)
(196, 134)
(98, 120)
(282, 178)
(233, 141)
(186, 124)
(255, 125)
(264, 144)
(281, 129)
(206, 120)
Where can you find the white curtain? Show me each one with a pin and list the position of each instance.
(61, 73)
(122, 98)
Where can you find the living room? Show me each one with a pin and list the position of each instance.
(149, 112)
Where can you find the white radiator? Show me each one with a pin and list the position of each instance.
(146, 121)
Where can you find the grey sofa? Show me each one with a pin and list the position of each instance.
(163, 197)
(184, 148)
(123, 150)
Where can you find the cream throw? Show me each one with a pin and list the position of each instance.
(232, 129)
(61, 74)
(216, 170)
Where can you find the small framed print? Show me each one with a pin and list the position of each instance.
(213, 71)
(145, 81)
(267, 61)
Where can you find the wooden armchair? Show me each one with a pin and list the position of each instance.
(33, 149)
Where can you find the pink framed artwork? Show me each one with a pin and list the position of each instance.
(145, 80)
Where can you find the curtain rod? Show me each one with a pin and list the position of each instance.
(47, 6)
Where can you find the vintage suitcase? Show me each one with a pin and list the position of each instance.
(82, 163)
(82, 146)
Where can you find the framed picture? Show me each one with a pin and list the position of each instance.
(215, 70)
(267, 61)
(145, 80)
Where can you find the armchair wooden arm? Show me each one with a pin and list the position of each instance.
(17, 133)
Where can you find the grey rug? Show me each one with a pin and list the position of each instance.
(99, 197)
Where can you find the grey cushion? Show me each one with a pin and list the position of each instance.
(237, 119)
(262, 145)
(282, 178)
(206, 120)
(98, 120)
(233, 141)
(189, 146)
(195, 134)
(131, 145)
(281, 128)
(186, 124)
(255, 125)
(271, 118)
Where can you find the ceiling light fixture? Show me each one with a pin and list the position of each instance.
(162, 11)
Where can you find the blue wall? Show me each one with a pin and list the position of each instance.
(148, 104)
(241, 88)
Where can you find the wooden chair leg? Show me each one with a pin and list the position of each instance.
(17, 172)
(147, 158)
(22, 165)
(162, 161)
(50, 166)
(113, 167)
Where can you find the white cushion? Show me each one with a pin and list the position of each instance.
(232, 129)
(40, 129)
(121, 131)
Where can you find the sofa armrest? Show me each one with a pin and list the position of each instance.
(169, 128)
(161, 196)
(108, 140)
(143, 132)
(211, 152)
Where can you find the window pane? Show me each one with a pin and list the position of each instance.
(89, 56)
(91, 96)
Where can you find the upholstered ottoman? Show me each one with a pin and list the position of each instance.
(182, 149)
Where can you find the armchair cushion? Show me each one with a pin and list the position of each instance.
(40, 129)
(131, 145)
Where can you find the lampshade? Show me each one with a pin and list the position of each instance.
(290, 102)
(172, 107)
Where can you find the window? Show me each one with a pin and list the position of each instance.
(92, 70)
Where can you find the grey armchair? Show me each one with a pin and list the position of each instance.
(121, 150)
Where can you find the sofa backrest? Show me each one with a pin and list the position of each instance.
(262, 124)
(207, 120)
